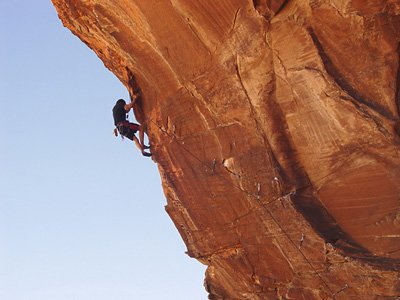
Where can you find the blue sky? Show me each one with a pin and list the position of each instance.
(81, 212)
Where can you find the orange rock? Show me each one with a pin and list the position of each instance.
(276, 132)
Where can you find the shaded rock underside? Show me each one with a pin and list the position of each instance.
(275, 126)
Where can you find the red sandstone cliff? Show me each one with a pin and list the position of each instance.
(275, 126)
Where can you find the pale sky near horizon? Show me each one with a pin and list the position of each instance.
(81, 213)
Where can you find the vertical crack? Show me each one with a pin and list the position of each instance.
(234, 19)
(271, 156)
(283, 5)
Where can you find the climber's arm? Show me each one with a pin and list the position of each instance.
(131, 104)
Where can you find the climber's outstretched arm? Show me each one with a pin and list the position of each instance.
(130, 105)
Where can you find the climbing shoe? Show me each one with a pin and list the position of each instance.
(146, 154)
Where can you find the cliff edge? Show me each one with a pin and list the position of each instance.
(275, 126)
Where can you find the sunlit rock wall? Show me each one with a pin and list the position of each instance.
(275, 126)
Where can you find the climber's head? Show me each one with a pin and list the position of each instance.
(120, 102)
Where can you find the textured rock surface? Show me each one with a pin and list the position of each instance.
(275, 126)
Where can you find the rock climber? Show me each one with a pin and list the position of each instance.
(125, 128)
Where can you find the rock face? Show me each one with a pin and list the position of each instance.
(275, 126)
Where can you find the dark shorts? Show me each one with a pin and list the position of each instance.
(127, 129)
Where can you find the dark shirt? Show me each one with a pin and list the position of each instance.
(119, 113)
